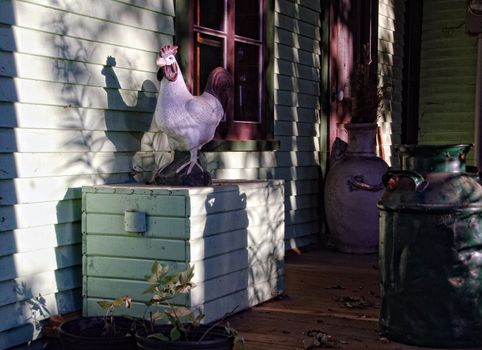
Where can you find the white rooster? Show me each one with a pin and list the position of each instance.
(189, 121)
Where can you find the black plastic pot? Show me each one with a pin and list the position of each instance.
(88, 333)
(216, 339)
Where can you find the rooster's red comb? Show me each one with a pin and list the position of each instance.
(168, 50)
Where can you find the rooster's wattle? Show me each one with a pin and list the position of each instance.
(189, 121)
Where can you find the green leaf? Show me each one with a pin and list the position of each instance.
(159, 336)
(151, 289)
(156, 267)
(239, 343)
(175, 334)
(150, 278)
(120, 301)
(104, 304)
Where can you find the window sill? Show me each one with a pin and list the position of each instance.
(241, 146)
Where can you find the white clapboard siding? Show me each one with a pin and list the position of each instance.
(297, 51)
(39, 214)
(66, 23)
(77, 93)
(390, 63)
(31, 116)
(64, 164)
(27, 66)
(41, 189)
(115, 11)
(44, 283)
(39, 237)
(62, 94)
(236, 160)
(31, 41)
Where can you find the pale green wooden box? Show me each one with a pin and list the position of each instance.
(233, 233)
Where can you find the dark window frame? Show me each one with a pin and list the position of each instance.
(185, 39)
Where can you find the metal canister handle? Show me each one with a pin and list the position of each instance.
(418, 180)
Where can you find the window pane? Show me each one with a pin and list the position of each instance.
(247, 80)
(208, 54)
(209, 13)
(248, 19)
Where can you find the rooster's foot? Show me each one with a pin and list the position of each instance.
(191, 165)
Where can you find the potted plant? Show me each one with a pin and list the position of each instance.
(354, 182)
(107, 332)
(184, 329)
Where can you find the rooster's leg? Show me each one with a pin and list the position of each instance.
(191, 163)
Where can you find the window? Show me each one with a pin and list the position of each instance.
(230, 33)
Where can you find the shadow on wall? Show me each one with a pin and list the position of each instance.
(241, 260)
(128, 127)
(221, 258)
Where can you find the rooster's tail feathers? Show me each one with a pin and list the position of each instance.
(220, 85)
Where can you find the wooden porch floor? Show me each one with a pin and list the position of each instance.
(326, 291)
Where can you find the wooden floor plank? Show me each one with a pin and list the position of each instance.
(329, 292)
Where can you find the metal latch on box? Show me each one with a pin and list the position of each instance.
(135, 221)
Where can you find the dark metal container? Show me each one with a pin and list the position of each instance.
(430, 250)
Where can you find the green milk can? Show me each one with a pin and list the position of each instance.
(430, 249)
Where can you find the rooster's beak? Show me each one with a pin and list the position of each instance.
(161, 62)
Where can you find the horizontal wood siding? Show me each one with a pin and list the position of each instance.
(447, 75)
(297, 116)
(390, 65)
(77, 93)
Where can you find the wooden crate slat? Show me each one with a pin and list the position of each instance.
(119, 203)
(157, 226)
(139, 247)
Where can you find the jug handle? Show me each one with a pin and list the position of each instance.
(357, 183)
(418, 180)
